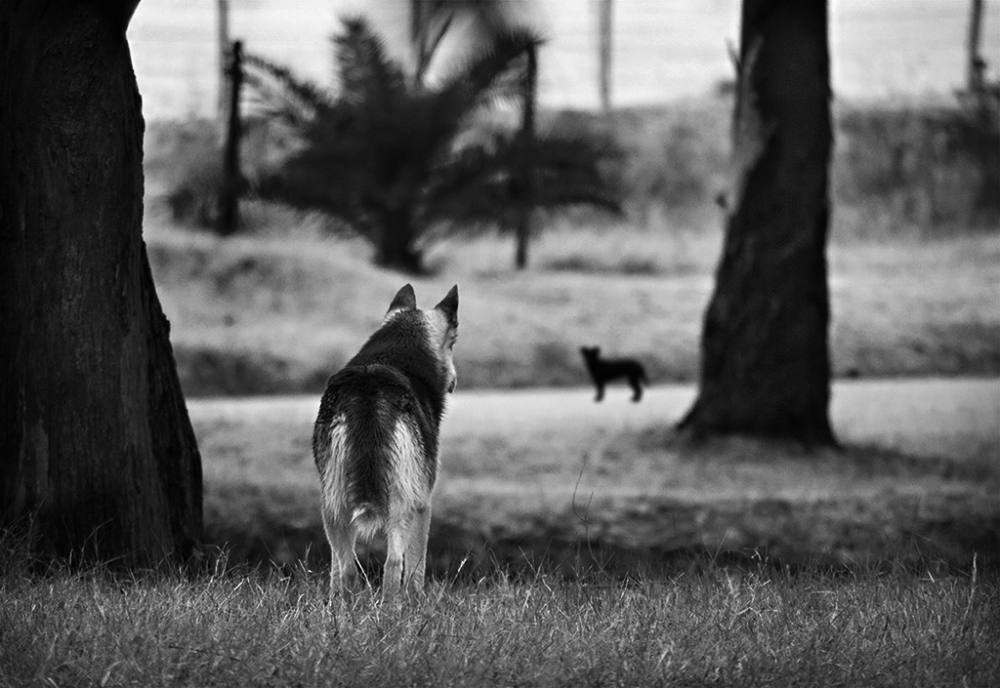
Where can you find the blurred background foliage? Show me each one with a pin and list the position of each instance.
(897, 167)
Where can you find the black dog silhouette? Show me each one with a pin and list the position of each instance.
(603, 370)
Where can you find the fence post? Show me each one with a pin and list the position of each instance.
(975, 65)
(229, 188)
(526, 175)
(605, 11)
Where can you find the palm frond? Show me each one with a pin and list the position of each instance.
(493, 71)
(303, 192)
(478, 185)
(366, 73)
(480, 82)
(280, 93)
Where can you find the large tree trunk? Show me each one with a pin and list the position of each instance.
(98, 460)
(765, 358)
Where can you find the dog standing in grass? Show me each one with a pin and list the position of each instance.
(604, 370)
(376, 440)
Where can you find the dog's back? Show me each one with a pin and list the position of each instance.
(373, 433)
(376, 437)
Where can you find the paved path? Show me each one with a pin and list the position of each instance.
(938, 416)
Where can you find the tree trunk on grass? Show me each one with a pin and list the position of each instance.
(765, 359)
(98, 460)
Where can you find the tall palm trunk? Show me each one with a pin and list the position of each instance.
(765, 360)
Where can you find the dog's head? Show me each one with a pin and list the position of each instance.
(440, 326)
(590, 353)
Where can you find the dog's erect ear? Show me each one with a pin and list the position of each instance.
(449, 306)
(405, 300)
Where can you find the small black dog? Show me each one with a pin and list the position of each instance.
(605, 370)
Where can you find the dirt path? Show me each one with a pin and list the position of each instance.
(917, 416)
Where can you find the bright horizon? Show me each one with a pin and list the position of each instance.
(663, 50)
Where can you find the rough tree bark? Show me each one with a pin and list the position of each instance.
(765, 366)
(98, 461)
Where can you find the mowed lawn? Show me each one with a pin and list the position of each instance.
(537, 475)
(279, 315)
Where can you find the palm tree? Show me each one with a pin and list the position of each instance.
(382, 155)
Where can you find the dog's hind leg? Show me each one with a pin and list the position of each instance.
(392, 575)
(343, 570)
(636, 388)
(415, 563)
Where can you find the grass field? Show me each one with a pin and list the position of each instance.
(550, 478)
(279, 315)
(871, 566)
(573, 544)
(706, 625)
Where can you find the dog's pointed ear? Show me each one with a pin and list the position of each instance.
(405, 300)
(449, 306)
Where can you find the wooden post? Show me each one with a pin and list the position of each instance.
(229, 189)
(604, 53)
(975, 65)
(526, 175)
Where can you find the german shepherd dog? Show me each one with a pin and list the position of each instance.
(376, 440)
(603, 370)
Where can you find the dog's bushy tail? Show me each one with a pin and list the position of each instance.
(367, 519)
(365, 403)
